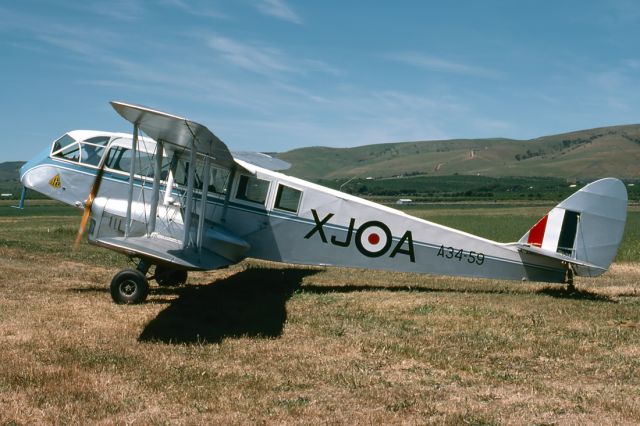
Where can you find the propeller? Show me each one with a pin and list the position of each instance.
(87, 205)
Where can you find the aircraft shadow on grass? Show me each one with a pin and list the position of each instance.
(253, 303)
(249, 303)
(575, 294)
(559, 292)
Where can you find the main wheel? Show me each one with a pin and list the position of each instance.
(129, 286)
(169, 277)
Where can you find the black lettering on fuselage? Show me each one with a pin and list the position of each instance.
(318, 227)
(377, 246)
(408, 251)
(346, 242)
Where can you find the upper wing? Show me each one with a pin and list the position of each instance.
(179, 131)
(176, 130)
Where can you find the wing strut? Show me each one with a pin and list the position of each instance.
(155, 191)
(134, 147)
(232, 175)
(190, 182)
(203, 201)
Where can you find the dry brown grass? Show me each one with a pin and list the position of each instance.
(280, 344)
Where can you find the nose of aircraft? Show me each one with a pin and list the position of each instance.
(29, 165)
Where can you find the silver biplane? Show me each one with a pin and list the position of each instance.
(172, 196)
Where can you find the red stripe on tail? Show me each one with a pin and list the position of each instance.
(536, 234)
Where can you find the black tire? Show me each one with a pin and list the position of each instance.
(169, 277)
(129, 286)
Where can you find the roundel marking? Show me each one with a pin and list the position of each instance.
(373, 238)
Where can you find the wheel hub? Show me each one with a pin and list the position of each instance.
(128, 287)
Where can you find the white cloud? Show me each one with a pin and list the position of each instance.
(196, 8)
(291, 102)
(257, 58)
(267, 60)
(433, 63)
(278, 9)
(121, 10)
(633, 64)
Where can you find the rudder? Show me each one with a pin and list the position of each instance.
(588, 227)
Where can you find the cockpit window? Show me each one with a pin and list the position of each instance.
(70, 152)
(92, 149)
(99, 140)
(84, 152)
(61, 143)
(91, 154)
(66, 147)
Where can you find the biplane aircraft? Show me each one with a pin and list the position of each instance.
(174, 198)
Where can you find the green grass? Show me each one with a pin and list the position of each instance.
(282, 344)
(37, 208)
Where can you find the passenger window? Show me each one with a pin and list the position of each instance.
(119, 158)
(288, 198)
(252, 189)
(218, 180)
(218, 177)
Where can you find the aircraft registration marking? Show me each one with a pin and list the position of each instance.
(459, 254)
(372, 238)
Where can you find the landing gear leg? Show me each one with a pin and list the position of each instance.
(569, 280)
(143, 266)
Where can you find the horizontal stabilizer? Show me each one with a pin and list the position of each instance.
(555, 255)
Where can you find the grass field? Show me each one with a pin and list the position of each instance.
(281, 344)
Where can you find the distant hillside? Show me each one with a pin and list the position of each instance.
(10, 171)
(9, 178)
(586, 154)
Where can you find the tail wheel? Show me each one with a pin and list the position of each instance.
(169, 277)
(129, 286)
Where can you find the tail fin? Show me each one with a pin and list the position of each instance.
(585, 229)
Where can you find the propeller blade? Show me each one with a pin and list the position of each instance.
(87, 205)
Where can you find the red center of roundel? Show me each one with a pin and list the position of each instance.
(373, 239)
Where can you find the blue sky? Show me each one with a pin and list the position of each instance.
(273, 75)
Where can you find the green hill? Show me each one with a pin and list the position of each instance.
(586, 154)
(581, 155)
(9, 178)
(10, 170)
